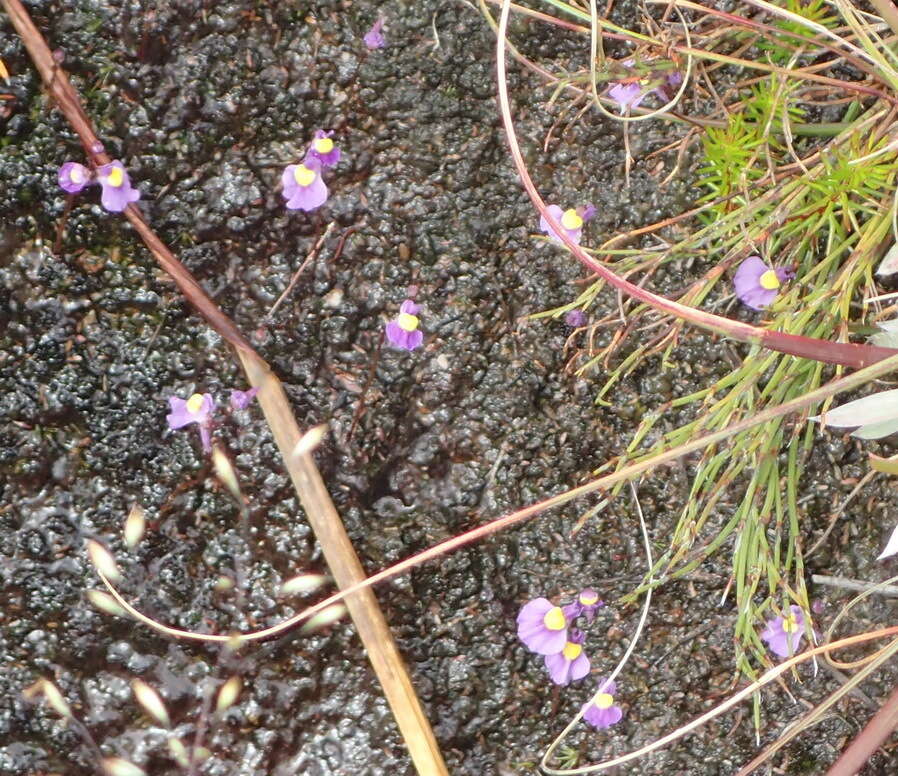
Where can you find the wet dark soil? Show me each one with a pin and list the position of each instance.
(205, 103)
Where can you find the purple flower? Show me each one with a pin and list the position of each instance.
(783, 634)
(304, 188)
(571, 220)
(197, 409)
(575, 318)
(542, 627)
(756, 284)
(323, 149)
(73, 177)
(600, 711)
(117, 191)
(240, 399)
(571, 662)
(587, 603)
(627, 95)
(403, 331)
(374, 38)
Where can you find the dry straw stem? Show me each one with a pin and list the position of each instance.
(320, 511)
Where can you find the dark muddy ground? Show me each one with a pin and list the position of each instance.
(205, 104)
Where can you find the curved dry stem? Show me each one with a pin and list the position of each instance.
(878, 658)
(844, 354)
(744, 693)
(847, 383)
(843, 613)
(632, 645)
(626, 118)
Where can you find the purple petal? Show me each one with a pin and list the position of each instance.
(415, 338)
(780, 641)
(179, 416)
(603, 718)
(328, 159)
(533, 631)
(559, 668)
(116, 198)
(400, 338)
(784, 274)
(587, 211)
(562, 671)
(627, 95)
(557, 213)
(575, 318)
(206, 437)
(572, 611)
(747, 284)
(288, 181)
(307, 197)
(749, 272)
(409, 307)
(539, 639)
(579, 666)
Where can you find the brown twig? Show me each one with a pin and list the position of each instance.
(320, 511)
(372, 370)
(877, 730)
(296, 275)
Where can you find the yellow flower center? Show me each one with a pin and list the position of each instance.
(603, 700)
(116, 177)
(554, 618)
(303, 175)
(195, 403)
(324, 145)
(790, 625)
(769, 280)
(588, 600)
(570, 219)
(571, 651)
(407, 322)
(76, 175)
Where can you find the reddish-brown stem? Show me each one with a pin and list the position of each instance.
(877, 730)
(339, 553)
(844, 354)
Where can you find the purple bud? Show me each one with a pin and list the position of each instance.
(575, 318)
(73, 177)
(240, 400)
(374, 38)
